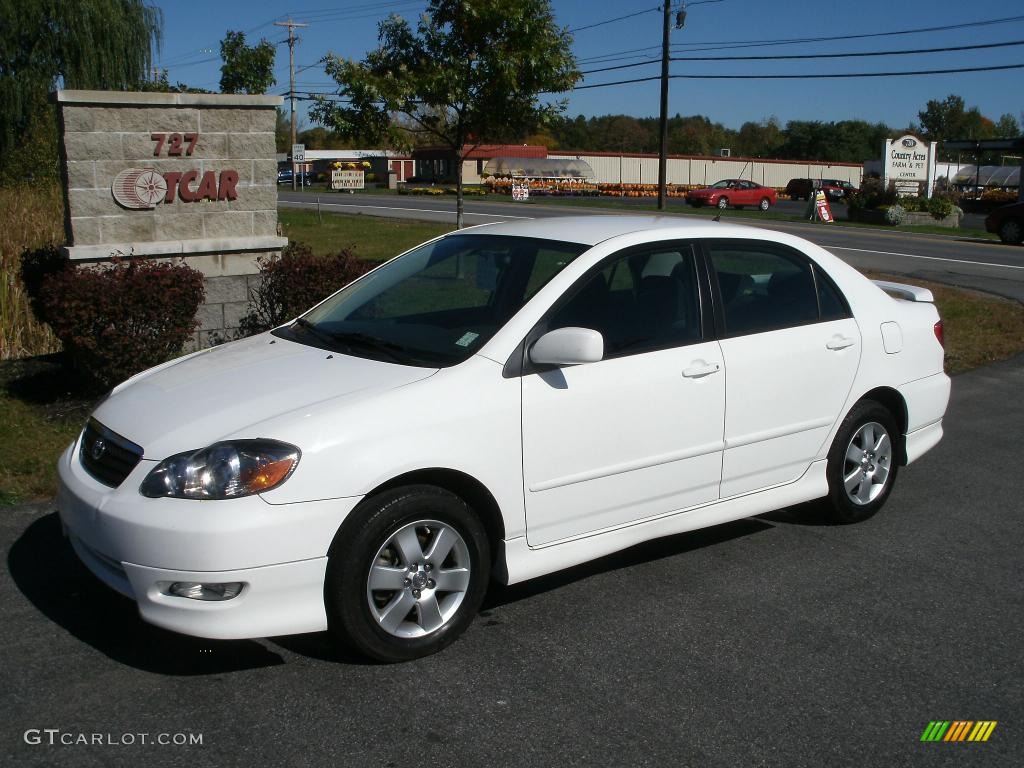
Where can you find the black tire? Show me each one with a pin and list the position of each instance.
(840, 505)
(367, 542)
(1011, 231)
(765, 204)
(723, 203)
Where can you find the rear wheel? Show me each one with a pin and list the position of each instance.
(409, 577)
(862, 463)
(765, 204)
(723, 203)
(1011, 231)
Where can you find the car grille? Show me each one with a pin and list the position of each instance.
(106, 455)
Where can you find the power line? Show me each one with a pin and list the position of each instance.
(617, 18)
(726, 44)
(776, 57)
(813, 76)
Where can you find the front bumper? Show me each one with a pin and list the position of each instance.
(139, 546)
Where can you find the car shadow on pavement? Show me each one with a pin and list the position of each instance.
(47, 571)
(809, 513)
(648, 551)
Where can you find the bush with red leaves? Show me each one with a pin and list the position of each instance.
(118, 319)
(296, 280)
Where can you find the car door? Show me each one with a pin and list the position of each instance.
(748, 194)
(639, 433)
(791, 351)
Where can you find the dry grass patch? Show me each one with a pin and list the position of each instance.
(30, 217)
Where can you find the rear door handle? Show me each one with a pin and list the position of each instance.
(699, 369)
(840, 342)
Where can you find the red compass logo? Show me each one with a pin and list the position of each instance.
(139, 188)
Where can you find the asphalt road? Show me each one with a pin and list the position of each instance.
(962, 261)
(772, 641)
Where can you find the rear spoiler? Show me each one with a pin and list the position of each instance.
(903, 291)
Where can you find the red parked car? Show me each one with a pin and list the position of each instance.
(733, 192)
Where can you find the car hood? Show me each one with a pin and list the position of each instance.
(705, 192)
(228, 391)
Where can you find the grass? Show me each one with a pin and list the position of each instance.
(371, 238)
(31, 216)
(38, 417)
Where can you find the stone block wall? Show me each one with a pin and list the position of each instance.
(185, 140)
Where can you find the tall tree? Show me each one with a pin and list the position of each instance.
(1007, 127)
(472, 72)
(246, 68)
(94, 44)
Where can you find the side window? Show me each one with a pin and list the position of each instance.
(639, 302)
(762, 288)
(830, 300)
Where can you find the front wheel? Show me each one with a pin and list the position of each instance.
(765, 204)
(723, 203)
(862, 463)
(1011, 231)
(409, 577)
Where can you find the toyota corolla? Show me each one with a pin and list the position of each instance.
(499, 403)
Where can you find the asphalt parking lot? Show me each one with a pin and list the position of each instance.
(773, 641)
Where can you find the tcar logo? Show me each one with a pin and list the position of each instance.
(142, 189)
(909, 143)
(139, 188)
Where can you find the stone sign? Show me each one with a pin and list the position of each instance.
(169, 175)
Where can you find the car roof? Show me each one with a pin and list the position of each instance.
(591, 230)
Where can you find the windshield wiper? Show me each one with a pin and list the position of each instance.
(325, 336)
(396, 352)
(350, 340)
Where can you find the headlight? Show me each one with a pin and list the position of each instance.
(223, 471)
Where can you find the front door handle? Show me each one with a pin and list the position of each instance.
(698, 369)
(840, 342)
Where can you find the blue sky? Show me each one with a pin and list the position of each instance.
(192, 32)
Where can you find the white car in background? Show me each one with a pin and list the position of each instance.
(505, 401)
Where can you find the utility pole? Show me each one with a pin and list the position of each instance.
(663, 145)
(292, 39)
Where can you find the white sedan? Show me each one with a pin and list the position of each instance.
(502, 402)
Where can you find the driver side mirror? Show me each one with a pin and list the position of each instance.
(568, 346)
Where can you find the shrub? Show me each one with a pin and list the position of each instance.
(296, 280)
(118, 319)
(36, 266)
(895, 214)
(872, 195)
(939, 207)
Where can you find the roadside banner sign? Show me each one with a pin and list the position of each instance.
(822, 210)
(348, 180)
(298, 153)
(520, 191)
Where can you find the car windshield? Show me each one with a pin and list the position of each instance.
(436, 305)
(721, 184)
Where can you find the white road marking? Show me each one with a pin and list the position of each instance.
(396, 208)
(929, 258)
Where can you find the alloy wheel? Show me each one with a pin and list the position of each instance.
(418, 579)
(868, 463)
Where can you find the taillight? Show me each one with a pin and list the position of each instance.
(940, 334)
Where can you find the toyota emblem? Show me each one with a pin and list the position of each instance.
(98, 449)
